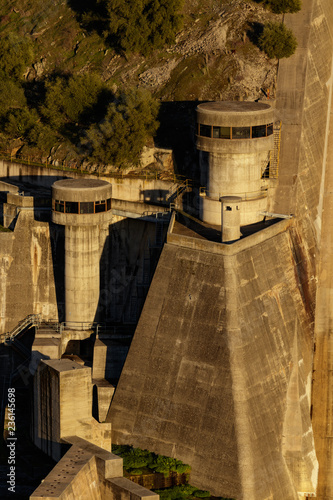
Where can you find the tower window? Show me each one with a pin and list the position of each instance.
(205, 130)
(241, 132)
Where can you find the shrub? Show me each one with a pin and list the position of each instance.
(201, 494)
(119, 138)
(143, 25)
(16, 55)
(19, 122)
(277, 41)
(73, 99)
(284, 6)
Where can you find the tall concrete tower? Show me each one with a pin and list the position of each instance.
(83, 206)
(234, 140)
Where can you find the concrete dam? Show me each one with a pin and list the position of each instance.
(229, 368)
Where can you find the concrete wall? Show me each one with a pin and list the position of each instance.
(222, 356)
(27, 272)
(122, 188)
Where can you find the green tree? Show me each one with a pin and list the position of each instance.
(284, 6)
(143, 25)
(119, 138)
(277, 41)
(74, 100)
(19, 122)
(16, 54)
(11, 94)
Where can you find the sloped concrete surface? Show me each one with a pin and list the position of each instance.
(221, 354)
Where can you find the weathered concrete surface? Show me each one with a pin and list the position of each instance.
(122, 188)
(222, 356)
(75, 476)
(323, 361)
(62, 400)
(27, 273)
(304, 102)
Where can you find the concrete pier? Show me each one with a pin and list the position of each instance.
(84, 208)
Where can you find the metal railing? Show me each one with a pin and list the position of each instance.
(245, 196)
(30, 320)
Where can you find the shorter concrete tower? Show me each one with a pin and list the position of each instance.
(83, 206)
(235, 141)
(230, 218)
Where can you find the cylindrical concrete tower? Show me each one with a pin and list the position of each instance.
(83, 206)
(235, 140)
(230, 218)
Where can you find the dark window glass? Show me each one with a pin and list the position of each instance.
(258, 131)
(216, 132)
(59, 206)
(108, 204)
(205, 130)
(100, 206)
(270, 129)
(86, 207)
(72, 207)
(221, 132)
(225, 132)
(241, 132)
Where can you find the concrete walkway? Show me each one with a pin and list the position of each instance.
(289, 108)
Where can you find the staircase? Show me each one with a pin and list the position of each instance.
(27, 322)
(275, 155)
(175, 195)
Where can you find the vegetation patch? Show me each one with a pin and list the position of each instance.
(142, 462)
(277, 41)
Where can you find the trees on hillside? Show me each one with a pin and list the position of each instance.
(143, 25)
(277, 41)
(284, 6)
(119, 138)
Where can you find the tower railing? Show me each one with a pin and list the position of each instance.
(252, 195)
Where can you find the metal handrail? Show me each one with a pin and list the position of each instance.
(31, 319)
(245, 196)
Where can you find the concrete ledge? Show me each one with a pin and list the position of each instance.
(108, 464)
(124, 489)
(231, 249)
(62, 475)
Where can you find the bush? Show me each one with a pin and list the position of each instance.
(119, 138)
(74, 99)
(16, 55)
(277, 41)
(143, 25)
(19, 122)
(284, 6)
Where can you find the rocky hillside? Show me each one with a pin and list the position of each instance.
(214, 57)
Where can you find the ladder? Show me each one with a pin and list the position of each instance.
(275, 154)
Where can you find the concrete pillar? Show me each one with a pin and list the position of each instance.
(83, 206)
(230, 217)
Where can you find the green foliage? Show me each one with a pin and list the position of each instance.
(134, 458)
(143, 25)
(284, 6)
(277, 41)
(19, 122)
(201, 494)
(76, 99)
(16, 53)
(119, 138)
(11, 94)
